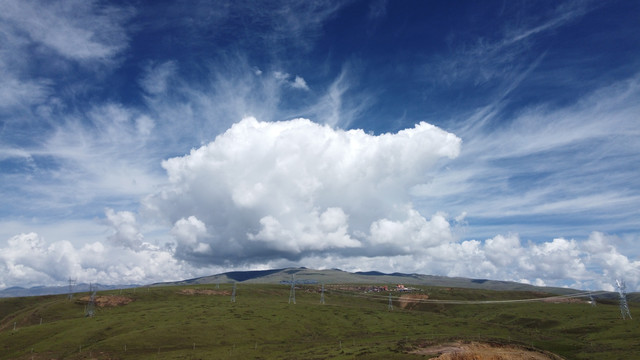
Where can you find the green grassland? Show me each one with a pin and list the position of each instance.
(164, 323)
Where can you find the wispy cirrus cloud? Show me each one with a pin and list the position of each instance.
(505, 54)
(78, 30)
(87, 157)
(17, 94)
(527, 163)
(45, 46)
(157, 77)
(290, 22)
(342, 102)
(574, 163)
(561, 15)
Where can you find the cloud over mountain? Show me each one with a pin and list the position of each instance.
(264, 190)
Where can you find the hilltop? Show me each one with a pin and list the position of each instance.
(328, 276)
(337, 276)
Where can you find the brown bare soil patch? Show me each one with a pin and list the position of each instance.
(107, 301)
(484, 351)
(411, 300)
(204, 292)
(558, 300)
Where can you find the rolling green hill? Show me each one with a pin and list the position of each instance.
(200, 322)
(336, 276)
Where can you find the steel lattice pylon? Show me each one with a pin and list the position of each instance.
(624, 307)
(72, 284)
(91, 306)
(292, 292)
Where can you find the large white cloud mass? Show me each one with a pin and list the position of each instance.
(289, 189)
(593, 263)
(297, 193)
(30, 260)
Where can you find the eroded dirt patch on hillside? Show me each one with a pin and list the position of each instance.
(560, 300)
(409, 301)
(484, 351)
(204, 292)
(107, 300)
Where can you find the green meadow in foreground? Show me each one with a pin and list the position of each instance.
(201, 322)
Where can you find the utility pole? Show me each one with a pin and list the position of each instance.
(322, 295)
(233, 293)
(390, 307)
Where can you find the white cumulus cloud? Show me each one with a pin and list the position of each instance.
(126, 231)
(30, 260)
(299, 83)
(288, 189)
(187, 233)
(593, 263)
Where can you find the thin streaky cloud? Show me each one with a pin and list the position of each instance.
(564, 14)
(79, 30)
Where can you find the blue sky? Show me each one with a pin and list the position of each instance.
(144, 141)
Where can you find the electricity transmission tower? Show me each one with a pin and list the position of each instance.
(72, 284)
(322, 295)
(233, 293)
(91, 306)
(292, 292)
(624, 307)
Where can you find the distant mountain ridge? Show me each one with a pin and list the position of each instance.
(17, 291)
(337, 276)
(310, 276)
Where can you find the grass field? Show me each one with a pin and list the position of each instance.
(168, 323)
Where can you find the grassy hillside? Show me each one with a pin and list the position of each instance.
(336, 276)
(200, 322)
